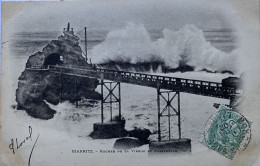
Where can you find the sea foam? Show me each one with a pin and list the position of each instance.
(133, 44)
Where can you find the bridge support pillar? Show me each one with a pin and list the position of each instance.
(109, 97)
(115, 127)
(168, 110)
(166, 98)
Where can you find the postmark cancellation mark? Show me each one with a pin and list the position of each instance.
(227, 132)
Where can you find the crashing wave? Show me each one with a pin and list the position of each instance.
(183, 50)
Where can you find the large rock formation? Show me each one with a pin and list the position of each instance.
(37, 85)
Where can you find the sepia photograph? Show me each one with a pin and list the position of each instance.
(118, 82)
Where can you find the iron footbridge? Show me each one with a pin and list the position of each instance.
(199, 87)
(168, 90)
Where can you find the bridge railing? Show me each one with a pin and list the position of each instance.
(161, 79)
(37, 67)
(164, 82)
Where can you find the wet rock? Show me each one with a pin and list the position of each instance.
(127, 143)
(37, 85)
(141, 134)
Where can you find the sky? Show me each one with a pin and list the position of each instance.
(111, 14)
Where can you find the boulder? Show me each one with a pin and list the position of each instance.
(141, 134)
(127, 143)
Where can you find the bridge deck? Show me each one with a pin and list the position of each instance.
(198, 87)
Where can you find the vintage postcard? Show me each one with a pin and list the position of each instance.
(128, 82)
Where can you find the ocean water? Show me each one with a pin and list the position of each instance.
(26, 43)
(210, 49)
(139, 106)
(71, 126)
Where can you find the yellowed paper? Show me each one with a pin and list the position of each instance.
(169, 56)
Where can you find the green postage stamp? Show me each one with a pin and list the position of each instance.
(227, 132)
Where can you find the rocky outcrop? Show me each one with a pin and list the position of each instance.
(127, 143)
(140, 134)
(136, 137)
(37, 85)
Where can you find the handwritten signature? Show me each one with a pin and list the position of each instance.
(15, 144)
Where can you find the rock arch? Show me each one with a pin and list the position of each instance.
(36, 86)
(67, 46)
(53, 59)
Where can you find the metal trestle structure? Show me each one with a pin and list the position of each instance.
(168, 110)
(108, 98)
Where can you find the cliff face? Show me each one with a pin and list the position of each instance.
(37, 85)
